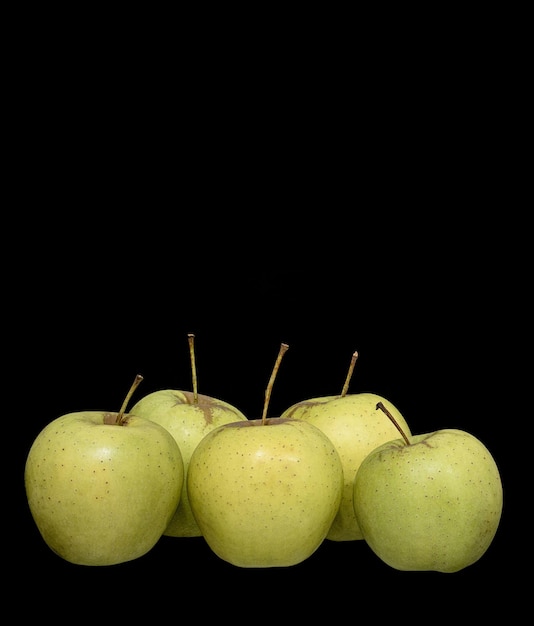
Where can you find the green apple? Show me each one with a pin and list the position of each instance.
(103, 486)
(431, 501)
(351, 422)
(265, 491)
(264, 494)
(188, 416)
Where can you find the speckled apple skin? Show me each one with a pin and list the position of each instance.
(102, 494)
(265, 495)
(188, 422)
(433, 505)
(355, 426)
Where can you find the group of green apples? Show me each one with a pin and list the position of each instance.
(104, 487)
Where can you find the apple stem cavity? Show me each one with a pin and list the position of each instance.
(121, 416)
(281, 352)
(191, 340)
(349, 374)
(381, 406)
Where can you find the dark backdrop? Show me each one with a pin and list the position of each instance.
(386, 219)
(419, 313)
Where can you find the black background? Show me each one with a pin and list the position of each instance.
(421, 330)
(329, 206)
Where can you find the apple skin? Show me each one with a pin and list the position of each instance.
(265, 494)
(433, 505)
(355, 427)
(188, 423)
(102, 493)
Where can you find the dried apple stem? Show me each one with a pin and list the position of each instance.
(282, 351)
(381, 406)
(191, 340)
(349, 374)
(121, 417)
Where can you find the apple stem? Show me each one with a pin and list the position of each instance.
(381, 406)
(191, 339)
(281, 352)
(349, 374)
(121, 417)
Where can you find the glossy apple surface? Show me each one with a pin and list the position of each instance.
(264, 494)
(434, 504)
(102, 493)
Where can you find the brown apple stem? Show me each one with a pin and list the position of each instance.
(191, 339)
(282, 351)
(121, 417)
(381, 406)
(349, 374)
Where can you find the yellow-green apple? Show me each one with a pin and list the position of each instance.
(351, 422)
(188, 416)
(265, 491)
(103, 486)
(430, 501)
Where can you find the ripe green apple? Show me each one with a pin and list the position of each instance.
(188, 416)
(188, 419)
(351, 422)
(103, 486)
(264, 493)
(431, 501)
